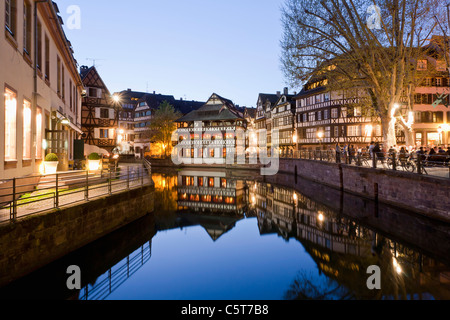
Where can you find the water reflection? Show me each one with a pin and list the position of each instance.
(238, 225)
(342, 246)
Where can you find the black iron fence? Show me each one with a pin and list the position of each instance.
(117, 275)
(434, 165)
(21, 197)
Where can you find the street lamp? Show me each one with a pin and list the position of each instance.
(116, 98)
(320, 135)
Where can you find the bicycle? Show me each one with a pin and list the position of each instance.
(403, 161)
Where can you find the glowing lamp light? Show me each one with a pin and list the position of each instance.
(397, 266)
(44, 144)
(42, 169)
(321, 217)
(320, 134)
(116, 98)
(368, 129)
(65, 121)
(94, 165)
(295, 197)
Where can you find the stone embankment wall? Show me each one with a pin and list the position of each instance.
(33, 242)
(419, 193)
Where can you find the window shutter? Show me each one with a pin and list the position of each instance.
(96, 133)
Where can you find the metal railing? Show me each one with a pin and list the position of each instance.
(117, 275)
(434, 165)
(21, 197)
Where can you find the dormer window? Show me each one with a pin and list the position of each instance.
(422, 65)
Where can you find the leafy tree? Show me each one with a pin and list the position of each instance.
(162, 125)
(362, 45)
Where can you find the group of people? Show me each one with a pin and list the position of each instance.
(349, 153)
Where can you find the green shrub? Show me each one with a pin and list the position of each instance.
(51, 157)
(94, 156)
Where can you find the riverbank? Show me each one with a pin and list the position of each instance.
(32, 242)
(425, 195)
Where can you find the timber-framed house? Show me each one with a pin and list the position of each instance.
(328, 117)
(99, 113)
(211, 132)
(283, 120)
(263, 121)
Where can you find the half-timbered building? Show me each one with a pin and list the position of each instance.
(283, 121)
(210, 191)
(325, 118)
(263, 121)
(99, 113)
(211, 132)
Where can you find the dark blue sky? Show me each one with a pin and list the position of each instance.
(186, 48)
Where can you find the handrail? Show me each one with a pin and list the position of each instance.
(23, 198)
(424, 164)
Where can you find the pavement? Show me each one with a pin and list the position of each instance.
(45, 200)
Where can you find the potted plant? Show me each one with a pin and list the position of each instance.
(51, 162)
(94, 161)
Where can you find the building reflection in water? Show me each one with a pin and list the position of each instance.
(343, 250)
(341, 247)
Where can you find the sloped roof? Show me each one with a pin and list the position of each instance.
(272, 98)
(223, 110)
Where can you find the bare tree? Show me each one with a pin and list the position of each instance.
(365, 45)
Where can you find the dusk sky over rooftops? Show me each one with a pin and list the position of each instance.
(185, 48)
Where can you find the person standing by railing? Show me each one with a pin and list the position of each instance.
(352, 154)
(338, 153)
(371, 147)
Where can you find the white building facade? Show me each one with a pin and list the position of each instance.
(41, 102)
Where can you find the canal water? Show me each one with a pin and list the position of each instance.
(228, 235)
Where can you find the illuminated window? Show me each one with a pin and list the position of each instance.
(354, 131)
(38, 133)
(182, 196)
(10, 124)
(211, 182)
(200, 182)
(194, 197)
(229, 200)
(223, 182)
(26, 130)
(206, 198)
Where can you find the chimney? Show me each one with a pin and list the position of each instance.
(286, 91)
(154, 92)
(279, 93)
(129, 90)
